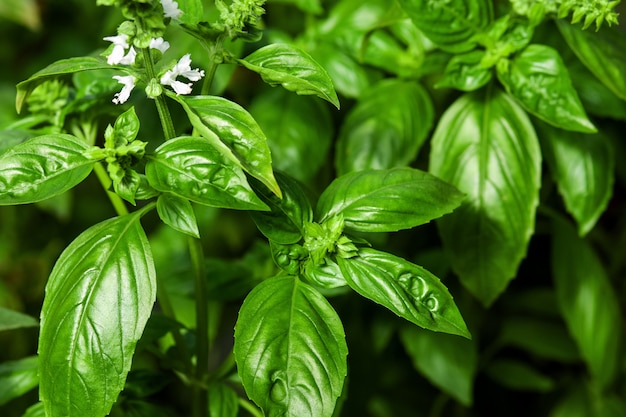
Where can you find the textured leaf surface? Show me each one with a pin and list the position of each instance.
(98, 299)
(486, 147)
(42, 167)
(386, 128)
(465, 72)
(17, 378)
(583, 167)
(294, 69)
(449, 362)
(387, 200)
(587, 300)
(237, 130)
(193, 169)
(290, 349)
(539, 80)
(177, 213)
(407, 289)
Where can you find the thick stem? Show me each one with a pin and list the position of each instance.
(116, 200)
(161, 104)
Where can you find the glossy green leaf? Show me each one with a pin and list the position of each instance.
(284, 64)
(11, 138)
(62, 67)
(450, 24)
(36, 410)
(290, 349)
(98, 299)
(486, 147)
(386, 129)
(232, 130)
(407, 289)
(602, 52)
(359, 16)
(540, 82)
(382, 50)
(583, 167)
(17, 378)
(42, 167)
(284, 223)
(125, 129)
(10, 319)
(465, 72)
(387, 200)
(588, 301)
(193, 169)
(223, 401)
(517, 375)
(299, 131)
(177, 213)
(449, 362)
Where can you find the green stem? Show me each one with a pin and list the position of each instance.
(215, 59)
(116, 200)
(200, 403)
(161, 104)
(250, 408)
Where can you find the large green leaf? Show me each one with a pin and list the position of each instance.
(486, 147)
(407, 289)
(602, 52)
(583, 167)
(290, 349)
(539, 80)
(10, 319)
(588, 302)
(17, 378)
(226, 124)
(42, 167)
(56, 69)
(284, 64)
(386, 128)
(192, 168)
(449, 362)
(450, 23)
(387, 200)
(98, 299)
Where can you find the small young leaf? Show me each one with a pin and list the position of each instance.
(238, 132)
(386, 129)
(294, 69)
(223, 401)
(518, 375)
(407, 289)
(17, 378)
(588, 302)
(192, 168)
(290, 349)
(42, 167)
(486, 146)
(126, 128)
(98, 299)
(36, 410)
(449, 362)
(539, 81)
(387, 200)
(465, 72)
(10, 319)
(177, 213)
(193, 11)
(64, 66)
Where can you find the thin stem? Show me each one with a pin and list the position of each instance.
(161, 104)
(200, 406)
(250, 408)
(215, 59)
(116, 200)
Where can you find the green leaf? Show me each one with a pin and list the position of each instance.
(588, 302)
(583, 168)
(290, 349)
(387, 200)
(309, 6)
(223, 401)
(59, 68)
(407, 289)
(17, 378)
(602, 52)
(98, 299)
(25, 12)
(384, 51)
(449, 362)
(42, 167)
(240, 137)
(125, 129)
(193, 169)
(10, 319)
(294, 69)
(519, 376)
(450, 23)
(284, 223)
(193, 11)
(486, 147)
(540, 82)
(178, 213)
(386, 129)
(465, 72)
(36, 410)
(299, 131)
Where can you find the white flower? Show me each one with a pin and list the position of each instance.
(160, 44)
(170, 9)
(182, 68)
(129, 84)
(119, 55)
